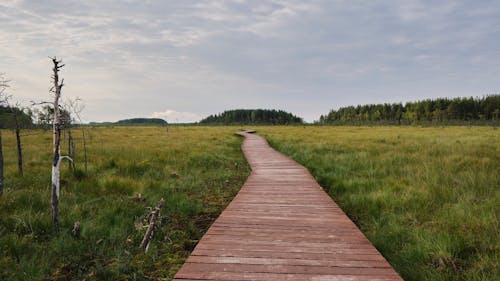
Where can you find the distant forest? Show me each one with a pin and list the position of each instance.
(430, 111)
(253, 116)
(7, 120)
(142, 121)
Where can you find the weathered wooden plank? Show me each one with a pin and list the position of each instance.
(284, 269)
(258, 276)
(291, 262)
(231, 276)
(331, 256)
(283, 226)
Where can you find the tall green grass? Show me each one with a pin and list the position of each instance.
(196, 170)
(427, 198)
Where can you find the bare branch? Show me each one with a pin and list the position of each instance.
(74, 106)
(40, 103)
(153, 217)
(67, 158)
(4, 84)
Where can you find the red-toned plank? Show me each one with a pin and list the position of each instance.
(331, 256)
(291, 262)
(284, 269)
(283, 226)
(244, 276)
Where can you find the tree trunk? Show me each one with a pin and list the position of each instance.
(73, 153)
(56, 174)
(18, 142)
(1, 166)
(71, 150)
(56, 158)
(84, 149)
(19, 152)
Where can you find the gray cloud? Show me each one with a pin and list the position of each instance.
(131, 58)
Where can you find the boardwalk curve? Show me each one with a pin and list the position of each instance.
(283, 226)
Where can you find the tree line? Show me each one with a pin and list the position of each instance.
(430, 111)
(252, 116)
(142, 121)
(31, 117)
(8, 115)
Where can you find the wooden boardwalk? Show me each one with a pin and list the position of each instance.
(283, 226)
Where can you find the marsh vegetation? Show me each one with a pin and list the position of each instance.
(427, 198)
(196, 170)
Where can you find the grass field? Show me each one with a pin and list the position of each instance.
(428, 198)
(196, 170)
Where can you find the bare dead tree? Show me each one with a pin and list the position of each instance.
(84, 149)
(67, 126)
(3, 100)
(71, 149)
(17, 130)
(4, 84)
(14, 109)
(75, 108)
(57, 127)
(1, 165)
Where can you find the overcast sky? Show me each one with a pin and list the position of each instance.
(182, 60)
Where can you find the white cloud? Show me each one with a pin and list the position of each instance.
(173, 116)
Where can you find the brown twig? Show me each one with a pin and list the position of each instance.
(150, 231)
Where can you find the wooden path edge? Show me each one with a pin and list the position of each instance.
(283, 226)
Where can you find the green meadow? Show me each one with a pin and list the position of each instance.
(197, 170)
(427, 198)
